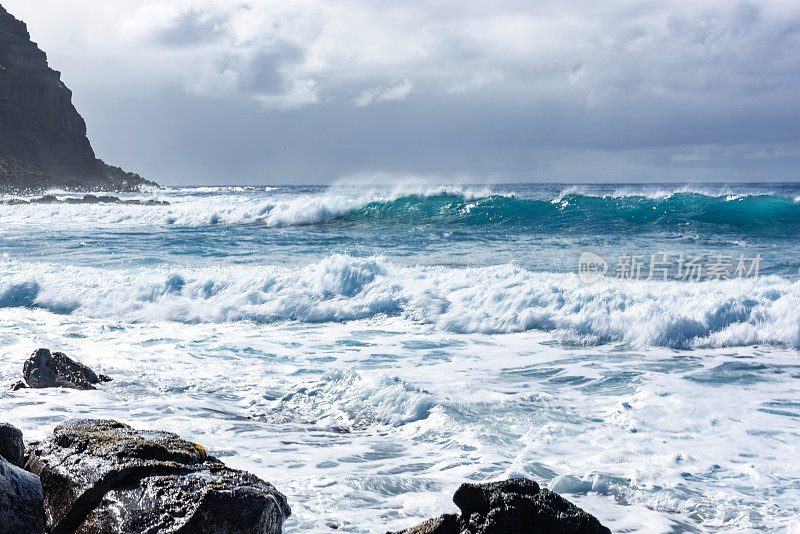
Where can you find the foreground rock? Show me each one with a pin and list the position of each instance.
(516, 506)
(45, 369)
(104, 476)
(21, 497)
(12, 447)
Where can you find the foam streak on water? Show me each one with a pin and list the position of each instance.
(368, 351)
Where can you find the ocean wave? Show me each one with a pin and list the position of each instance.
(490, 300)
(675, 213)
(225, 189)
(209, 206)
(347, 399)
(334, 205)
(664, 191)
(571, 212)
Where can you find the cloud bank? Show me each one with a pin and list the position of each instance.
(209, 91)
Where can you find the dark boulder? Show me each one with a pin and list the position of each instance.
(12, 447)
(217, 499)
(516, 506)
(21, 500)
(444, 524)
(104, 476)
(19, 384)
(86, 199)
(49, 370)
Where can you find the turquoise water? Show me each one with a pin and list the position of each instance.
(368, 348)
(539, 227)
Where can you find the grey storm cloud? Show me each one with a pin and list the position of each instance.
(202, 91)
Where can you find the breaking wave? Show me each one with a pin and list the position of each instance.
(347, 399)
(490, 300)
(570, 211)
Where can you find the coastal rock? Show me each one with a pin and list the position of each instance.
(19, 384)
(217, 499)
(21, 500)
(50, 370)
(43, 141)
(104, 476)
(12, 448)
(444, 524)
(516, 506)
(85, 199)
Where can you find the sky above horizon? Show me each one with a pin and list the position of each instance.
(320, 91)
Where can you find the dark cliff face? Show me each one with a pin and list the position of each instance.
(43, 141)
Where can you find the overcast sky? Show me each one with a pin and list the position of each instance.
(314, 91)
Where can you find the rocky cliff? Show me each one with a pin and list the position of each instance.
(43, 141)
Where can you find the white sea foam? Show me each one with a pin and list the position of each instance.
(496, 299)
(346, 399)
(373, 424)
(367, 389)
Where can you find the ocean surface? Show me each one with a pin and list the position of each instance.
(366, 349)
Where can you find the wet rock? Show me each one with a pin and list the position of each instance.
(12, 447)
(108, 199)
(104, 476)
(217, 499)
(515, 506)
(444, 524)
(86, 199)
(19, 384)
(49, 370)
(21, 500)
(47, 199)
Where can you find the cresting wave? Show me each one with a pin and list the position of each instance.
(209, 206)
(764, 214)
(490, 300)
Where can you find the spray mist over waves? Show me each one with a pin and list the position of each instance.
(491, 300)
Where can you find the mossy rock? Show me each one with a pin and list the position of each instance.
(89, 468)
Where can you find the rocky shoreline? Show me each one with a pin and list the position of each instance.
(93, 476)
(85, 199)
